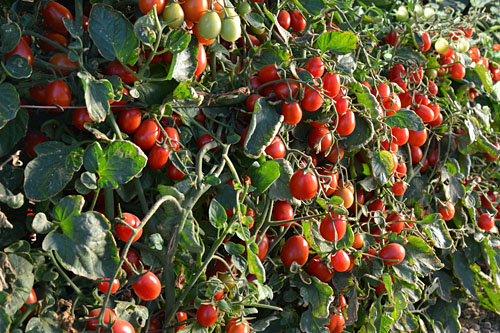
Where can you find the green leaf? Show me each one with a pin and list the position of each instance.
(41, 225)
(255, 20)
(438, 232)
(488, 294)
(234, 249)
(117, 164)
(405, 118)
(485, 76)
(137, 315)
(379, 320)
(280, 189)
(10, 103)
(445, 284)
(44, 324)
(97, 96)
(464, 273)
(51, 170)
(268, 54)
(217, 214)
(190, 236)
(4, 320)
(447, 314)
(145, 28)
(178, 41)
(16, 278)
(264, 175)
(14, 131)
(10, 34)
(420, 255)
(314, 7)
(365, 97)
(264, 126)
(381, 163)
(17, 67)
(185, 62)
(254, 264)
(408, 54)
(85, 246)
(338, 42)
(113, 34)
(319, 295)
(452, 181)
(312, 324)
(8, 198)
(362, 134)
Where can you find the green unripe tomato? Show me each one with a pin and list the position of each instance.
(441, 45)
(231, 29)
(228, 12)
(462, 45)
(429, 12)
(244, 8)
(258, 31)
(431, 73)
(209, 25)
(419, 10)
(402, 14)
(173, 12)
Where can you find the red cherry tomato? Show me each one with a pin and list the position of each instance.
(104, 286)
(425, 112)
(81, 117)
(392, 254)
(286, 90)
(396, 225)
(486, 222)
(22, 49)
(181, 316)
(346, 123)
(263, 247)
(292, 113)
(448, 211)
(109, 317)
(129, 120)
(147, 134)
(312, 100)
(337, 323)
(194, 9)
(63, 65)
(399, 188)
(122, 326)
(53, 15)
(123, 232)
(400, 135)
(115, 68)
(58, 93)
(158, 157)
(340, 261)
(32, 140)
(55, 37)
(148, 287)
(284, 19)
(283, 211)
(276, 149)
(145, 6)
(331, 84)
(250, 102)
(268, 73)
(315, 66)
(417, 138)
(336, 154)
(38, 94)
(458, 71)
(303, 185)
(295, 249)
(297, 21)
(331, 231)
(320, 139)
(134, 259)
(201, 59)
(329, 183)
(319, 269)
(207, 315)
(174, 173)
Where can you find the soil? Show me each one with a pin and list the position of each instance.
(475, 319)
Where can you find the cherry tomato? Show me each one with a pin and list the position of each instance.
(122, 326)
(312, 100)
(416, 154)
(239, 328)
(58, 93)
(207, 315)
(358, 241)
(204, 139)
(181, 316)
(53, 15)
(336, 154)
(147, 134)
(336, 323)
(123, 232)
(174, 173)
(85, 23)
(340, 261)
(194, 9)
(458, 71)
(399, 188)
(268, 73)
(174, 12)
(320, 139)
(62, 60)
(202, 40)
(392, 254)
(295, 249)
(448, 211)
(201, 59)
(145, 6)
(81, 117)
(417, 138)
(401, 170)
(22, 49)
(209, 25)
(284, 19)
(276, 149)
(115, 68)
(303, 185)
(292, 113)
(474, 53)
(283, 211)
(332, 231)
(297, 21)
(396, 225)
(109, 317)
(319, 269)
(425, 113)
(129, 120)
(392, 38)
(329, 183)
(331, 85)
(263, 247)
(37, 93)
(104, 286)
(283, 89)
(346, 195)
(400, 135)
(55, 37)
(33, 139)
(315, 66)
(250, 102)
(148, 287)
(493, 158)
(346, 123)
(486, 222)
(158, 157)
(134, 259)
(231, 27)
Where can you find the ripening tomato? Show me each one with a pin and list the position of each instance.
(292, 112)
(109, 317)
(426, 42)
(123, 232)
(417, 138)
(297, 21)
(331, 85)
(147, 134)
(55, 37)
(207, 315)
(81, 117)
(53, 15)
(392, 254)
(283, 211)
(115, 68)
(286, 90)
(104, 286)
(315, 66)
(158, 157)
(145, 6)
(295, 249)
(346, 195)
(276, 149)
(340, 261)
(346, 123)
(447, 211)
(129, 120)
(303, 185)
(332, 231)
(268, 73)
(58, 93)
(398, 188)
(201, 59)
(122, 326)
(319, 269)
(486, 222)
(174, 173)
(458, 71)
(312, 100)
(22, 49)
(209, 26)
(263, 247)
(358, 241)
(284, 19)
(194, 9)
(173, 12)
(336, 323)
(320, 139)
(148, 287)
